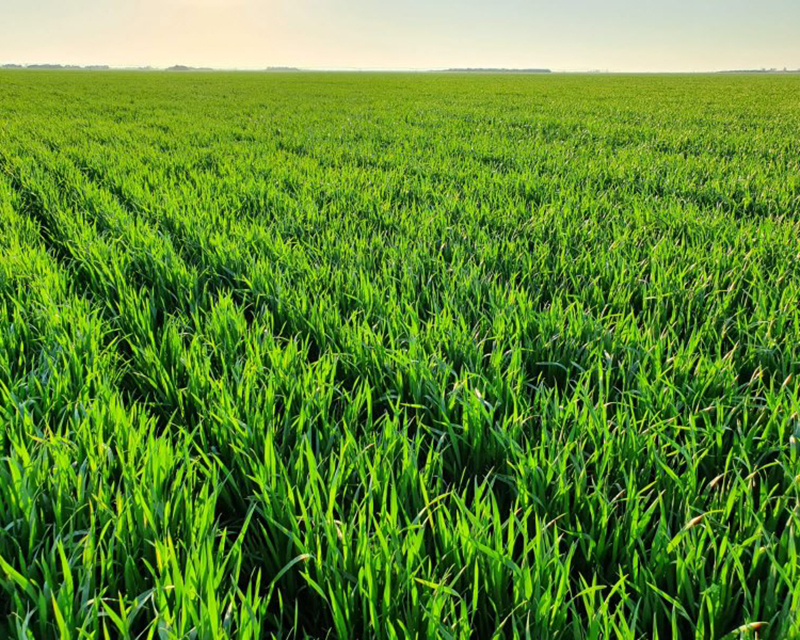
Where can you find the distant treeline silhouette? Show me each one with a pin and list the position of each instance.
(761, 71)
(493, 70)
(91, 67)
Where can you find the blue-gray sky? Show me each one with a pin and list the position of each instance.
(617, 35)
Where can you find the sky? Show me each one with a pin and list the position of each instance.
(567, 35)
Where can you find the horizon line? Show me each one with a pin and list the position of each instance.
(36, 66)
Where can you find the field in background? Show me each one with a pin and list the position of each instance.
(399, 355)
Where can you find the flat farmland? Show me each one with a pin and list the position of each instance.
(399, 355)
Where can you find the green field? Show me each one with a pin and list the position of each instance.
(397, 356)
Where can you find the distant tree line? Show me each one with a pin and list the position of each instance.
(493, 70)
(91, 67)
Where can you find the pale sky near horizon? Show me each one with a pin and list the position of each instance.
(615, 35)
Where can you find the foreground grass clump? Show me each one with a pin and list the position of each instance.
(399, 356)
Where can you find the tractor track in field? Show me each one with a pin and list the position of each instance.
(59, 246)
(176, 239)
(65, 260)
(348, 372)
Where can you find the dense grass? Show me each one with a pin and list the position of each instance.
(399, 356)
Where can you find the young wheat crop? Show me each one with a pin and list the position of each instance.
(363, 355)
